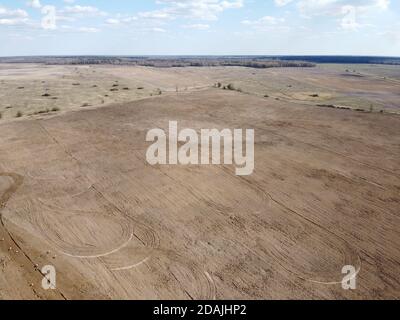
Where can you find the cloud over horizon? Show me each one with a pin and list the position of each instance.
(202, 26)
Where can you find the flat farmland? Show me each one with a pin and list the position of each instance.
(77, 192)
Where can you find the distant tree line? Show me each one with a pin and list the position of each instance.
(204, 61)
(162, 62)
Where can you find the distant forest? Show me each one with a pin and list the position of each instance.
(203, 61)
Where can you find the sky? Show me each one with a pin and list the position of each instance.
(199, 27)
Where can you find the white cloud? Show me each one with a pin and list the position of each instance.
(113, 21)
(13, 17)
(267, 24)
(16, 13)
(83, 11)
(34, 4)
(73, 29)
(348, 12)
(197, 26)
(335, 7)
(197, 9)
(281, 3)
(157, 14)
(267, 20)
(158, 30)
(392, 35)
(12, 21)
(89, 29)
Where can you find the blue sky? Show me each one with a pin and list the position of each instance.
(164, 27)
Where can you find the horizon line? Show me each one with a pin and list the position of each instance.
(199, 55)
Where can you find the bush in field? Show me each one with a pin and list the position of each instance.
(231, 86)
(42, 111)
(19, 114)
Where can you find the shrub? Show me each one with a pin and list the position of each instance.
(231, 86)
(42, 111)
(55, 109)
(19, 114)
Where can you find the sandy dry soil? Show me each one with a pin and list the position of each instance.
(76, 192)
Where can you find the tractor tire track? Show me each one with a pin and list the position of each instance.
(4, 198)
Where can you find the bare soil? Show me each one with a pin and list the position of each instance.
(76, 192)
